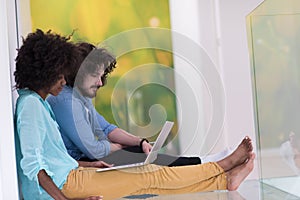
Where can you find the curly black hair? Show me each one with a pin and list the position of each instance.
(89, 59)
(42, 58)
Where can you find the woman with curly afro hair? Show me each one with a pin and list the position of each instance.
(42, 59)
(47, 171)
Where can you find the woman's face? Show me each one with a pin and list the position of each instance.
(58, 86)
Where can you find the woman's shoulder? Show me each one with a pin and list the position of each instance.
(27, 96)
(28, 100)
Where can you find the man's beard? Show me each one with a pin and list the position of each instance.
(94, 88)
(90, 94)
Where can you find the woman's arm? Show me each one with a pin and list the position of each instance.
(48, 185)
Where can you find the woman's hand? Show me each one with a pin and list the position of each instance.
(90, 198)
(101, 164)
(97, 164)
(95, 198)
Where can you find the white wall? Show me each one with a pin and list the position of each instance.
(185, 20)
(237, 70)
(8, 175)
(220, 28)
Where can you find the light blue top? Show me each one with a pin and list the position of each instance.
(84, 130)
(39, 145)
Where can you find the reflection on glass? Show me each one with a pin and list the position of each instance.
(274, 29)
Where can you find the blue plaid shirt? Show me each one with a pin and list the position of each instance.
(84, 130)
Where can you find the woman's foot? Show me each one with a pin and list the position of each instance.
(239, 156)
(239, 173)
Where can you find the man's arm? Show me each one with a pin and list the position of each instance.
(124, 138)
(119, 138)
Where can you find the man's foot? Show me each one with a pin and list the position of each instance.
(239, 173)
(239, 156)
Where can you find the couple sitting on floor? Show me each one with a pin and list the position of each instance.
(47, 136)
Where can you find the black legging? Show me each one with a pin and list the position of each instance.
(134, 154)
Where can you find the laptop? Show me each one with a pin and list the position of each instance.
(151, 157)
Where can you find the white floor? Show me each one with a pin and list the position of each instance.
(249, 190)
(279, 183)
(287, 184)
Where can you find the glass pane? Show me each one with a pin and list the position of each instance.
(274, 29)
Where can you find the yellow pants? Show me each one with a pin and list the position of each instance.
(149, 179)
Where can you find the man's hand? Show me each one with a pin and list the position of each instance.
(146, 147)
(115, 147)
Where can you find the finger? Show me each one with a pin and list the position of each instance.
(146, 151)
(106, 164)
(109, 165)
(95, 198)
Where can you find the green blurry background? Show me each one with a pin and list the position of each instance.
(95, 21)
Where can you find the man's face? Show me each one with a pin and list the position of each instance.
(91, 83)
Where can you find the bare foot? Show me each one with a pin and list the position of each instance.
(239, 156)
(239, 173)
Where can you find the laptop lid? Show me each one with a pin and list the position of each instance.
(151, 157)
(159, 142)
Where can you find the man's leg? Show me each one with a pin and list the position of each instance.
(169, 160)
